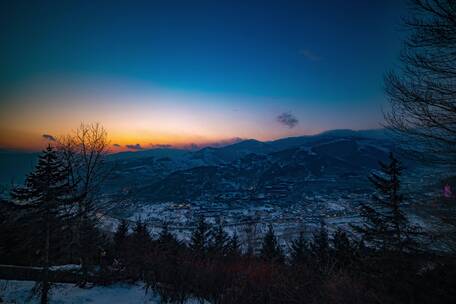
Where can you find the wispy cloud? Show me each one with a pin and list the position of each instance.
(287, 119)
(116, 145)
(48, 137)
(309, 55)
(134, 147)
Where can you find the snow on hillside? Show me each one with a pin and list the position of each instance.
(18, 292)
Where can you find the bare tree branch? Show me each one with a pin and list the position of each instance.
(422, 94)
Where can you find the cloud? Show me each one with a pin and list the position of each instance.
(287, 119)
(48, 137)
(134, 147)
(116, 145)
(309, 55)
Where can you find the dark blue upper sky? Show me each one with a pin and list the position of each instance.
(310, 52)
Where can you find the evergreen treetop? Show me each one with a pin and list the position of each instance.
(271, 250)
(299, 250)
(386, 225)
(201, 237)
(219, 240)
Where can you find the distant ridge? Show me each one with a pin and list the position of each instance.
(257, 144)
(14, 165)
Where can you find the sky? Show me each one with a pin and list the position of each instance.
(188, 73)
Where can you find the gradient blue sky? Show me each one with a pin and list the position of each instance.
(202, 71)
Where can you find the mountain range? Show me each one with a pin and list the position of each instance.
(249, 169)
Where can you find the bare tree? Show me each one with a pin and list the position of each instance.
(84, 152)
(422, 94)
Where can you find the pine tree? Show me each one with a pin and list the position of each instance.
(140, 246)
(385, 224)
(234, 247)
(167, 241)
(344, 251)
(299, 251)
(140, 237)
(94, 243)
(120, 240)
(46, 196)
(219, 240)
(319, 246)
(270, 249)
(201, 237)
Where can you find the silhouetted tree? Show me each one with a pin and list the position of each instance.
(120, 239)
(46, 195)
(386, 225)
(219, 240)
(344, 250)
(84, 154)
(169, 269)
(11, 234)
(201, 237)
(139, 248)
(270, 248)
(423, 93)
(234, 246)
(299, 250)
(168, 242)
(319, 247)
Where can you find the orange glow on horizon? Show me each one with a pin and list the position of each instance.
(151, 117)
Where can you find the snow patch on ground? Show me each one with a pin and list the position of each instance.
(67, 267)
(18, 292)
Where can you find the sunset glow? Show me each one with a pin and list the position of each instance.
(200, 79)
(154, 117)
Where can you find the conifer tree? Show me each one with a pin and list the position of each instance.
(120, 240)
(94, 243)
(270, 249)
(140, 246)
(385, 224)
(140, 236)
(299, 251)
(46, 196)
(201, 237)
(319, 246)
(167, 241)
(234, 246)
(219, 240)
(344, 251)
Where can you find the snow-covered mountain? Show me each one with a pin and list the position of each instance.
(167, 173)
(251, 168)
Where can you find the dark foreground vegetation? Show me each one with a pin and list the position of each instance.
(382, 262)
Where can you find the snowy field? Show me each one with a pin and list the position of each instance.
(18, 292)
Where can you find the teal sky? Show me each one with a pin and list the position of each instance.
(321, 63)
